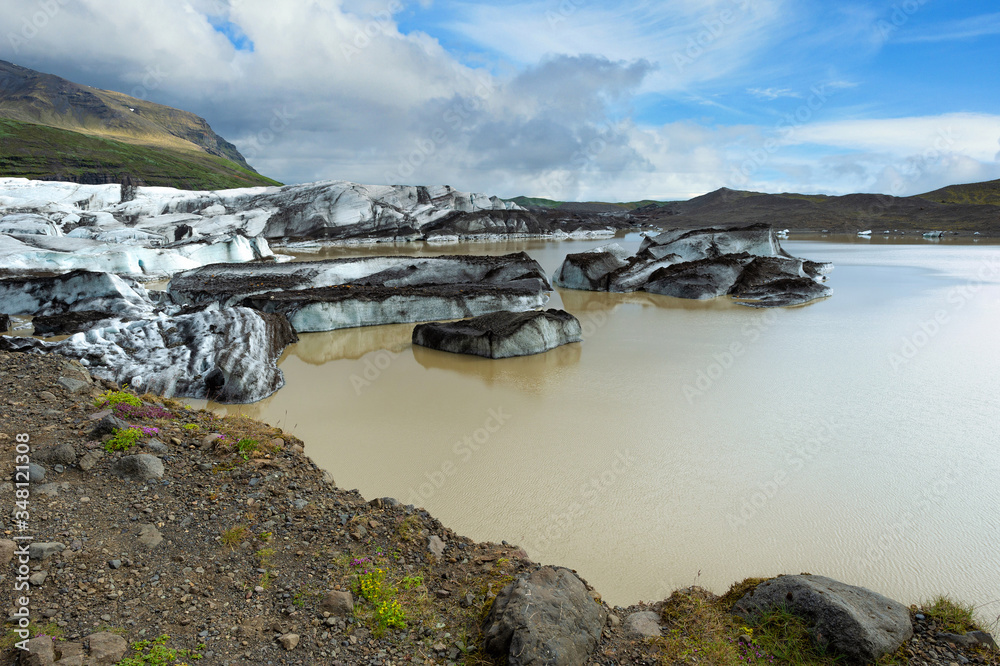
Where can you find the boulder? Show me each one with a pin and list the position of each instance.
(45, 550)
(140, 467)
(338, 603)
(4, 322)
(501, 334)
(63, 454)
(106, 648)
(41, 652)
(545, 618)
(745, 262)
(853, 621)
(644, 624)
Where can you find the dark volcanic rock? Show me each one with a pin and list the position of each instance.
(68, 323)
(547, 618)
(4, 322)
(746, 262)
(368, 291)
(501, 334)
(852, 621)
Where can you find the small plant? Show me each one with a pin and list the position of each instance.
(371, 585)
(410, 582)
(408, 528)
(389, 614)
(953, 617)
(191, 426)
(114, 398)
(123, 439)
(265, 555)
(245, 447)
(234, 536)
(156, 653)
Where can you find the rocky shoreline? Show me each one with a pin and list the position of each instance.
(242, 551)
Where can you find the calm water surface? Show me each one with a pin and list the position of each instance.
(686, 442)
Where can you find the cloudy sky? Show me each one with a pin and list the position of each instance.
(567, 99)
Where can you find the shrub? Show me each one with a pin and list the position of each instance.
(123, 439)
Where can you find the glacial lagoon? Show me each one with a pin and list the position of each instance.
(693, 442)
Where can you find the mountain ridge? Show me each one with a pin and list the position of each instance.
(167, 138)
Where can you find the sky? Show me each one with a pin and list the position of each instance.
(565, 99)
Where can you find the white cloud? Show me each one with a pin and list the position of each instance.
(334, 89)
(773, 93)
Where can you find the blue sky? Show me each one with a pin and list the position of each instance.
(570, 99)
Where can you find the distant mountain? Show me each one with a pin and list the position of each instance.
(958, 208)
(538, 204)
(961, 208)
(54, 129)
(973, 193)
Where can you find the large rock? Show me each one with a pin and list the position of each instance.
(4, 322)
(547, 618)
(40, 652)
(745, 262)
(140, 467)
(501, 334)
(228, 354)
(368, 291)
(853, 621)
(106, 648)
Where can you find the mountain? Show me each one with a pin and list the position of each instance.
(973, 193)
(539, 204)
(960, 209)
(51, 128)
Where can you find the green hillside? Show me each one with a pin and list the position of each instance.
(46, 153)
(972, 193)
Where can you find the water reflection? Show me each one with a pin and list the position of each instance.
(526, 373)
(350, 343)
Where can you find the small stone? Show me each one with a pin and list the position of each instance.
(645, 624)
(435, 545)
(156, 446)
(338, 603)
(36, 473)
(89, 461)
(47, 396)
(289, 641)
(43, 551)
(72, 385)
(115, 564)
(300, 504)
(37, 579)
(149, 536)
(442, 594)
(7, 548)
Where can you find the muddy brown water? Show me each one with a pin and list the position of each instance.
(696, 442)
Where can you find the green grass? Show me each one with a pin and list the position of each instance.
(156, 653)
(951, 616)
(47, 153)
(987, 193)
